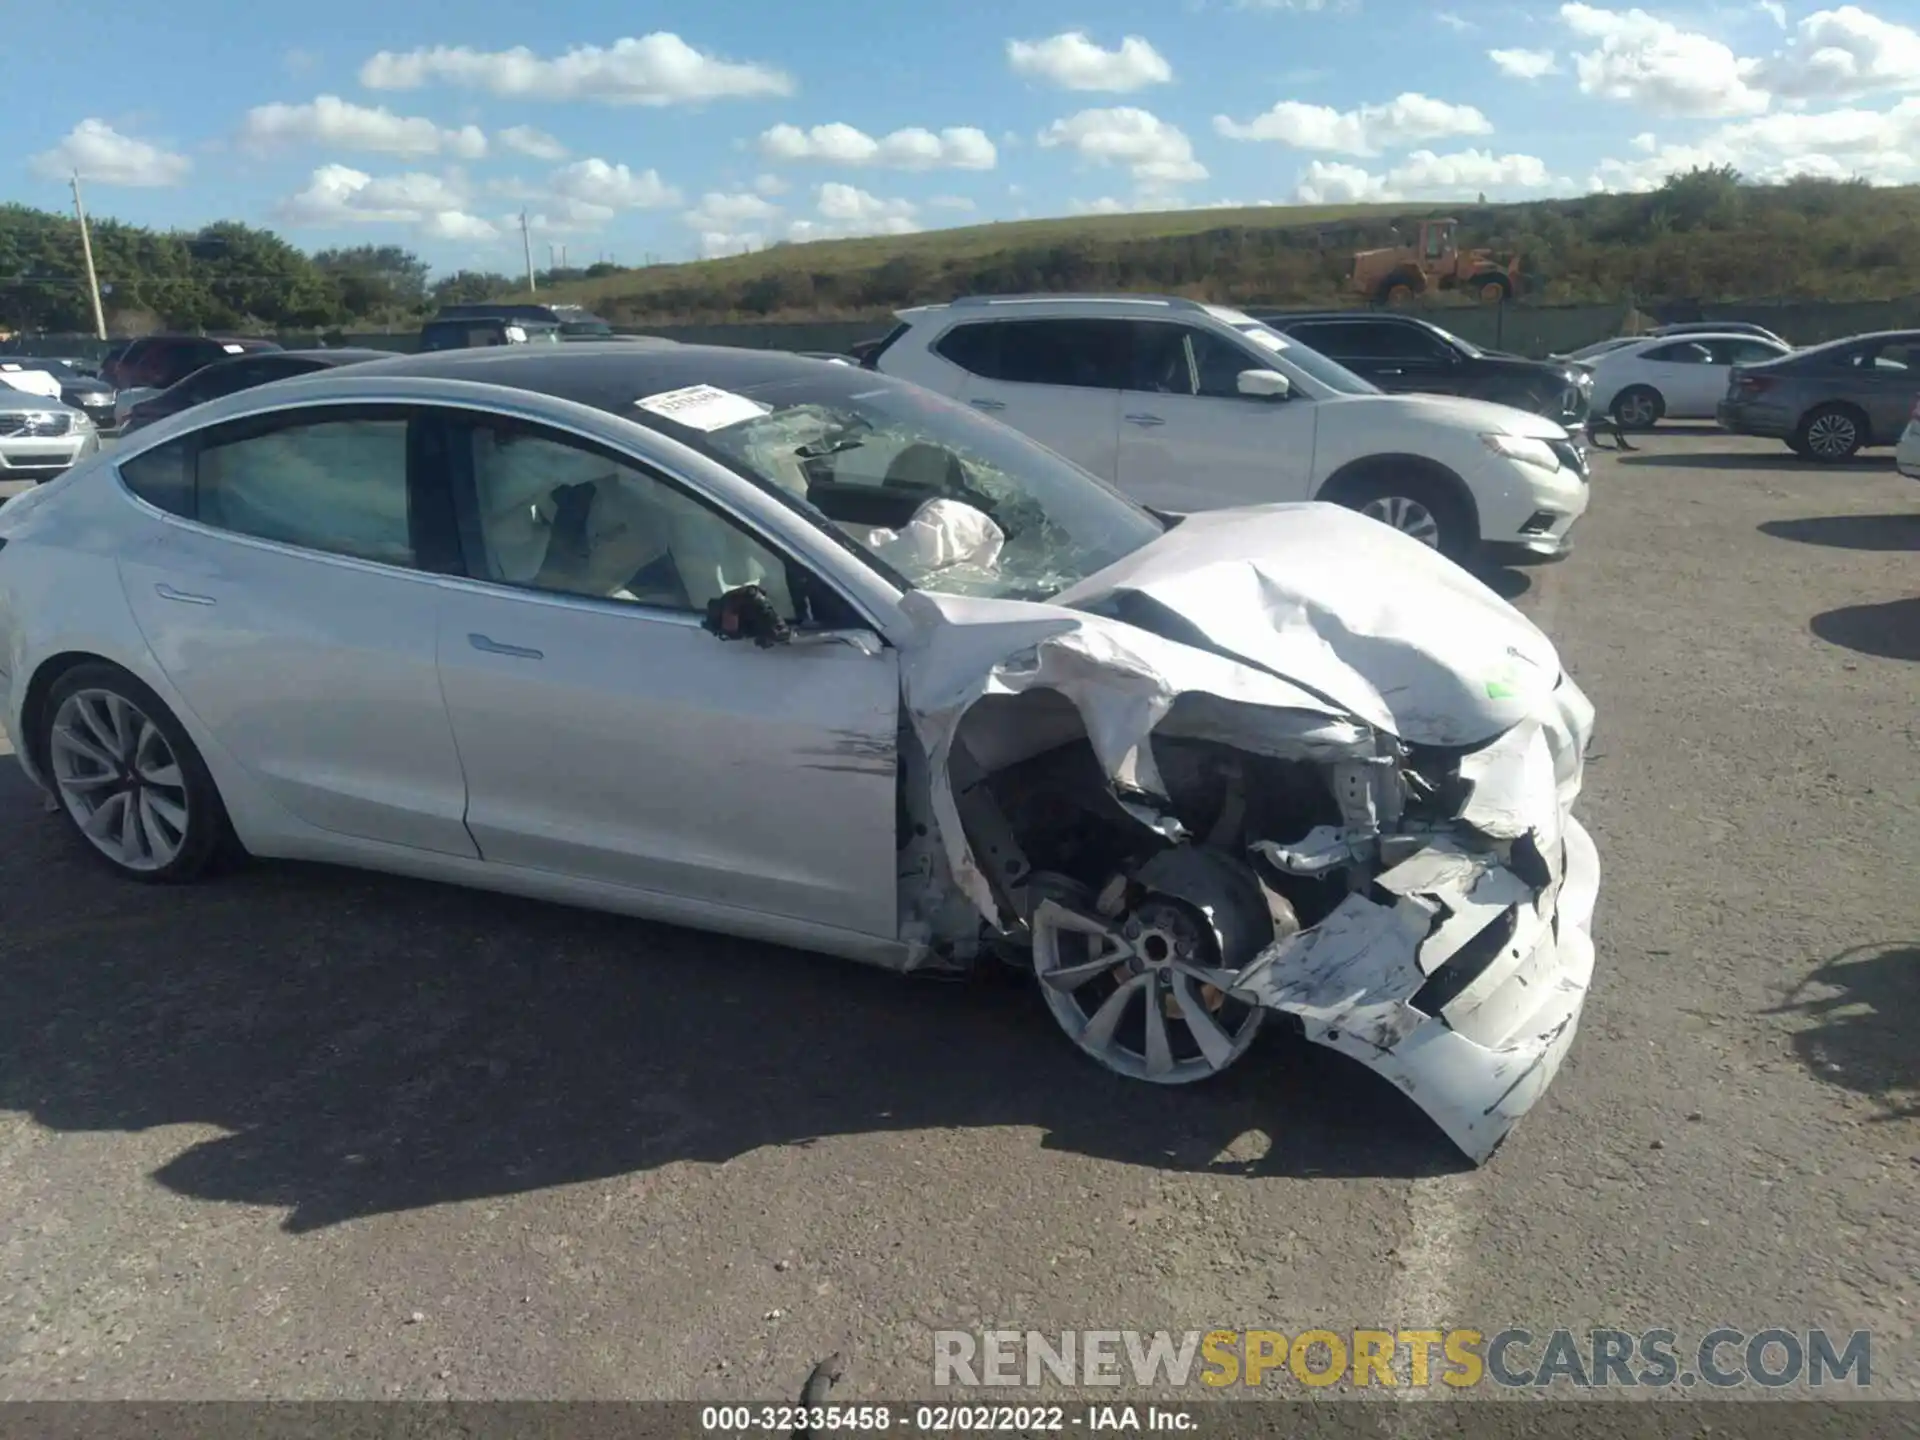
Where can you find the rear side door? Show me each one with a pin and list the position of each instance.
(291, 593)
(1058, 381)
(1889, 381)
(1687, 376)
(1189, 440)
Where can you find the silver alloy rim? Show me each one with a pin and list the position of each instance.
(1637, 410)
(1079, 956)
(1407, 516)
(119, 779)
(1832, 435)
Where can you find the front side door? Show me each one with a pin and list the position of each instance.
(296, 612)
(1057, 381)
(605, 735)
(1189, 440)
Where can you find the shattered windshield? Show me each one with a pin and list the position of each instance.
(947, 499)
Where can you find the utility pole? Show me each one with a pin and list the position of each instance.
(86, 250)
(563, 257)
(526, 245)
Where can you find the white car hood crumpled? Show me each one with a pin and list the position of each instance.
(1342, 606)
(1456, 412)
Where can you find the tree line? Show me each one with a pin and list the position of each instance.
(1707, 235)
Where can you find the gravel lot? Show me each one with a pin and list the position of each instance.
(308, 1133)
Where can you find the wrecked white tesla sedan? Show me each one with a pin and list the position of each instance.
(463, 616)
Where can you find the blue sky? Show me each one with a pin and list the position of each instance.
(672, 129)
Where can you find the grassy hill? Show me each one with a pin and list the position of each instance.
(1704, 236)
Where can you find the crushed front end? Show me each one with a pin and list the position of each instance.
(1182, 842)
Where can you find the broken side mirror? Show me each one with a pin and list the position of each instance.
(1263, 384)
(745, 613)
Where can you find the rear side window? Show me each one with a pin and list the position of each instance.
(163, 477)
(334, 485)
(1083, 354)
(1684, 352)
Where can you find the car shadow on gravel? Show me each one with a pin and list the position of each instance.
(1850, 532)
(1864, 1009)
(373, 1045)
(1747, 460)
(1890, 631)
(1507, 583)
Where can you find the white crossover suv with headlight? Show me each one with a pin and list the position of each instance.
(1187, 406)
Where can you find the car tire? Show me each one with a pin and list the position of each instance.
(129, 778)
(1830, 434)
(1638, 407)
(1421, 506)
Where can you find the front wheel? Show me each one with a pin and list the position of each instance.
(129, 778)
(1416, 505)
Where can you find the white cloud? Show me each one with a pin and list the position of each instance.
(338, 195)
(1467, 171)
(1774, 11)
(1335, 183)
(1845, 53)
(1525, 64)
(614, 187)
(960, 147)
(1653, 63)
(1459, 24)
(1155, 151)
(770, 185)
(656, 69)
(852, 206)
(1425, 173)
(719, 210)
(952, 202)
(729, 223)
(1307, 5)
(342, 125)
(102, 154)
(1073, 61)
(528, 141)
(1881, 146)
(1365, 131)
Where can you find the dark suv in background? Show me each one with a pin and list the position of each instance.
(469, 332)
(1403, 353)
(155, 362)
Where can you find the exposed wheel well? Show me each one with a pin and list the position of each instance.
(1374, 466)
(38, 688)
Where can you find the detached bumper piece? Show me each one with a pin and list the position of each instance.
(1459, 976)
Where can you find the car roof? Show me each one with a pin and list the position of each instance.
(611, 375)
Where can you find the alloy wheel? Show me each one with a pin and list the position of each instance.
(1141, 994)
(1637, 412)
(119, 779)
(1406, 515)
(1833, 435)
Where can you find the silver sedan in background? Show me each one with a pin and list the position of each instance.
(801, 653)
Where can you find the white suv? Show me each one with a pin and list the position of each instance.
(1188, 406)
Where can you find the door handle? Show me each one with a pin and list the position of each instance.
(1148, 420)
(1390, 370)
(167, 592)
(985, 404)
(488, 646)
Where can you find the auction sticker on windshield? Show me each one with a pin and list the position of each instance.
(703, 407)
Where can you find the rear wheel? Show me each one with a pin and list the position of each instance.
(1830, 433)
(1491, 289)
(129, 778)
(1638, 407)
(1420, 506)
